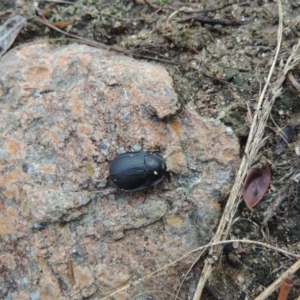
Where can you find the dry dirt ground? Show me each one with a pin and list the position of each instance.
(218, 54)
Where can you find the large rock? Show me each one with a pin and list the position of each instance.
(66, 232)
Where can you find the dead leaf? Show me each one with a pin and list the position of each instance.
(9, 31)
(256, 184)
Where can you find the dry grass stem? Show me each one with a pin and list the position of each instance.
(148, 277)
(253, 146)
(276, 284)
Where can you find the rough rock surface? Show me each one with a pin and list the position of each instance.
(65, 231)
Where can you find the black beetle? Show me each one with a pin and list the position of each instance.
(135, 171)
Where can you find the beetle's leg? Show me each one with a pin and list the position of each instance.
(146, 170)
(168, 175)
(143, 144)
(146, 193)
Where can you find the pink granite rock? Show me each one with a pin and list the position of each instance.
(65, 114)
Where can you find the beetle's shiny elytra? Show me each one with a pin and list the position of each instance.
(135, 171)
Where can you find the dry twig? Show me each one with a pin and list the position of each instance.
(211, 21)
(58, 1)
(185, 10)
(71, 272)
(286, 285)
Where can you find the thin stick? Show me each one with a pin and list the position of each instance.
(286, 285)
(58, 1)
(71, 271)
(275, 285)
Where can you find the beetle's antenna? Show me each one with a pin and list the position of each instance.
(176, 150)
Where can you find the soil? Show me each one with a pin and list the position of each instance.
(218, 54)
